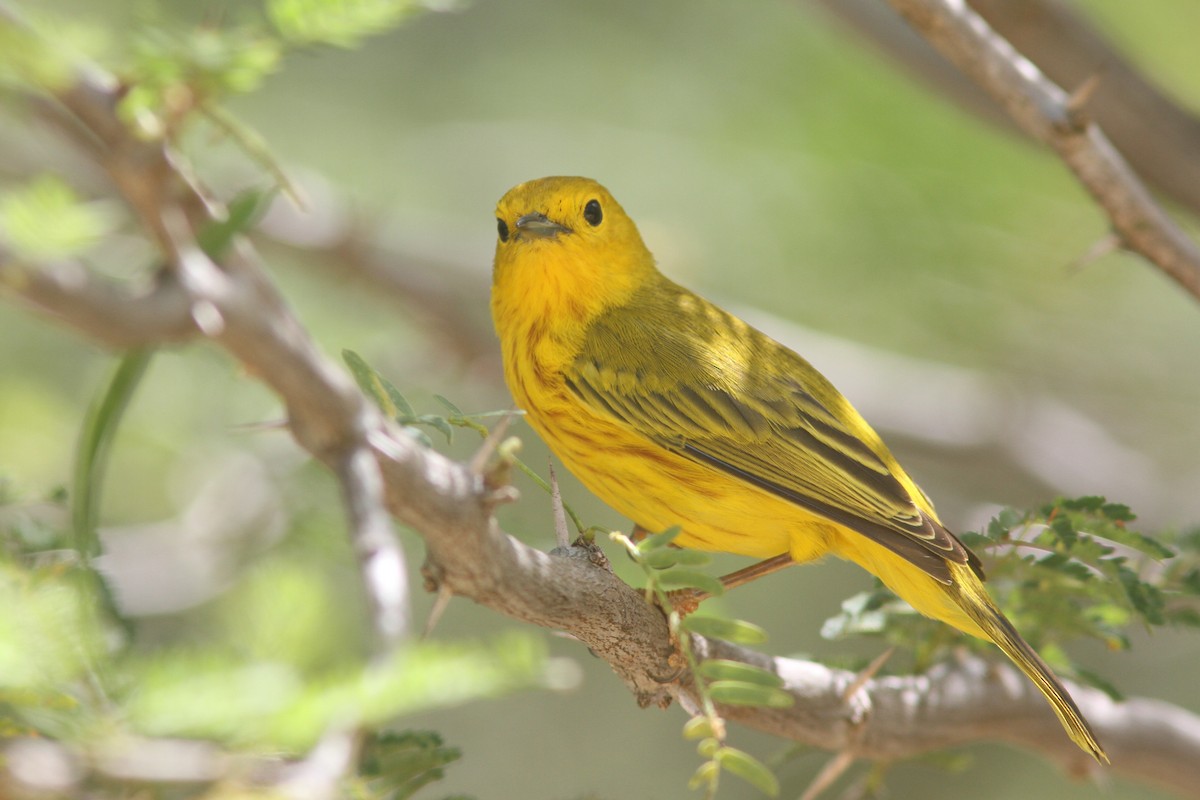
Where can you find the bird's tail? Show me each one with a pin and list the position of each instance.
(970, 595)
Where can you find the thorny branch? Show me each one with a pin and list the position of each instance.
(1045, 112)
(234, 304)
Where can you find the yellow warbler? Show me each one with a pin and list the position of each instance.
(676, 412)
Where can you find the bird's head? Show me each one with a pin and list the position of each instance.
(565, 245)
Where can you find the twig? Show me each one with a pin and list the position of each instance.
(561, 537)
(833, 769)
(1158, 135)
(1043, 111)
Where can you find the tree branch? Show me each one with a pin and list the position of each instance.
(1046, 113)
(573, 590)
(888, 718)
(235, 304)
(1156, 134)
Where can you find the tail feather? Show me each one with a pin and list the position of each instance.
(973, 598)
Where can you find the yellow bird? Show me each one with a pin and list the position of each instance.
(676, 412)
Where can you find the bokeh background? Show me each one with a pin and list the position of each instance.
(921, 258)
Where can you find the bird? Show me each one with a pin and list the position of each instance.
(675, 412)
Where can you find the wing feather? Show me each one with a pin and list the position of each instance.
(765, 426)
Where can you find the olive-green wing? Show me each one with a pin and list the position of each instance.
(763, 423)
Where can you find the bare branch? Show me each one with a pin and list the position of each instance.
(1156, 134)
(100, 309)
(1042, 110)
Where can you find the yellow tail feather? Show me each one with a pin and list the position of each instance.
(972, 597)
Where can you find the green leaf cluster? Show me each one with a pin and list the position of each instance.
(172, 73)
(395, 405)
(342, 23)
(1073, 569)
(45, 219)
(396, 765)
(264, 679)
(268, 667)
(669, 569)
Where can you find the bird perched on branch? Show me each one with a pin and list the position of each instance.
(676, 412)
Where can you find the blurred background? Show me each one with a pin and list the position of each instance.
(924, 259)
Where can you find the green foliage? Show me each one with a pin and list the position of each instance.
(95, 442)
(397, 765)
(1072, 570)
(243, 212)
(716, 680)
(40, 51)
(396, 406)
(50, 641)
(262, 680)
(270, 674)
(171, 76)
(45, 220)
(342, 23)
(173, 73)
(217, 694)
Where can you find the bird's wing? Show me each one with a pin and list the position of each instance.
(774, 423)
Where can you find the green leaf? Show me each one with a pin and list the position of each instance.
(1145, 598)
(666, 557)
(342, 23)
(437, 423)
(740, 693)
(380, 389)
(697, 728)
(705, 775)
(719, 669)
(1065, 530)
(45, 220)
(397, 765)
(453, 409)
(418, 435)
(243, 212)
(656, 540)
(749, 769)
(730, 630)
(677, 578)
(95, 441)
(1139, 542)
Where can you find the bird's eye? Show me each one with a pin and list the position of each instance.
(592, 213)
(502, 229)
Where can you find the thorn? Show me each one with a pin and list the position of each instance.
(1080, 98)
(439, 607)
(1108, 244)
(256, 427)
(829, 773)
(561, 536)
(871, 670)
(488, 448)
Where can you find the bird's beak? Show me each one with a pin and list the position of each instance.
(539, 226)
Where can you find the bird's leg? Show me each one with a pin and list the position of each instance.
(755, 571)
(685, 601)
